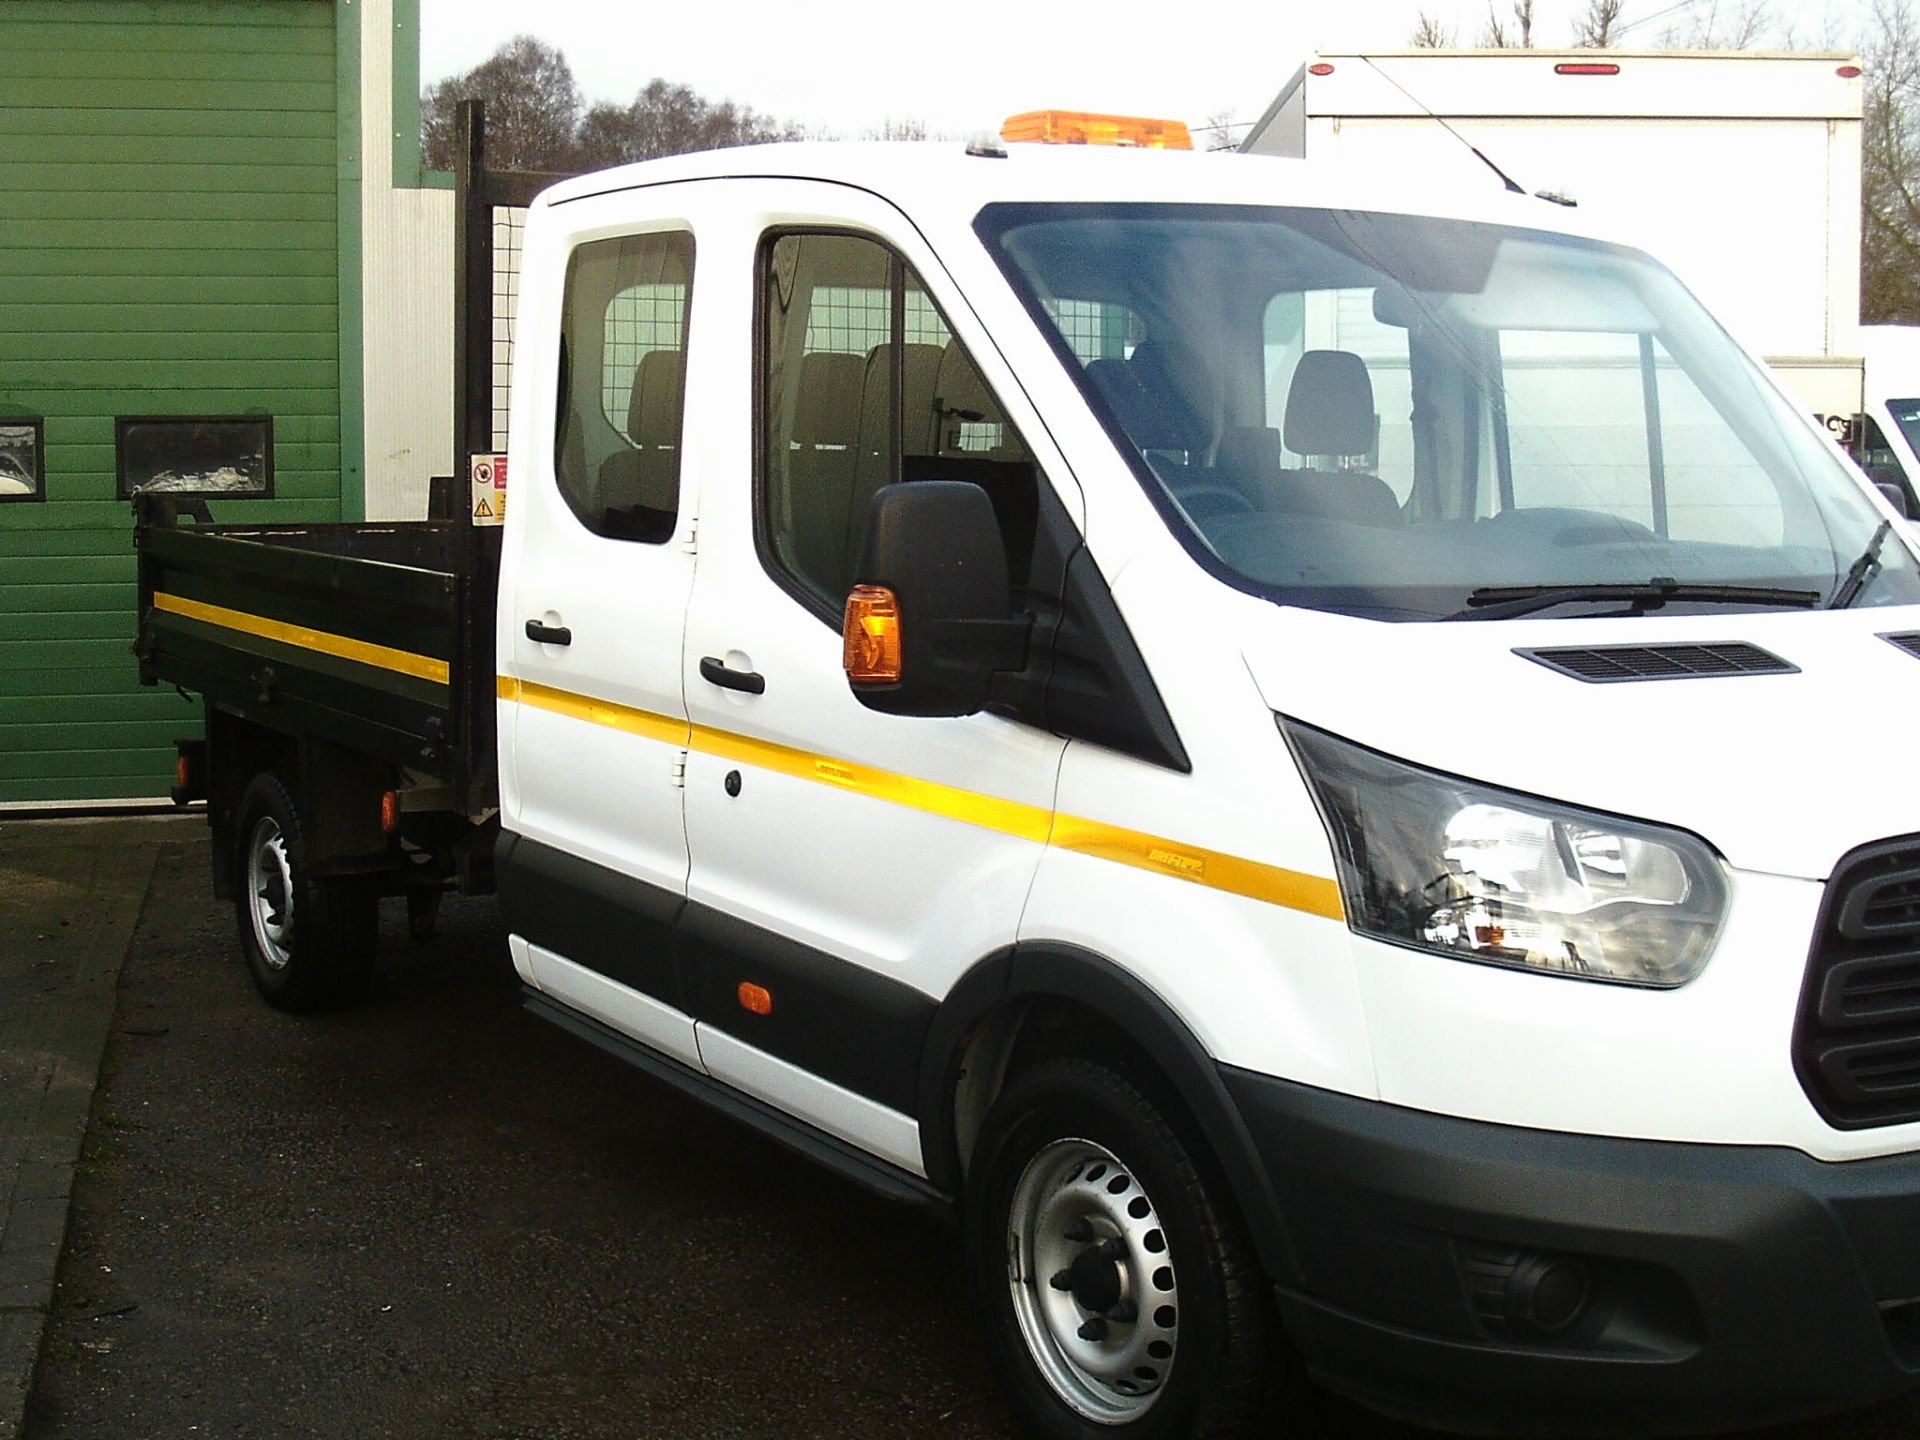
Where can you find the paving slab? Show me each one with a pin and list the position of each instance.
(71, 892)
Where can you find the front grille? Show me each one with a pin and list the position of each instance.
(1602, 664)
(1856, 1043)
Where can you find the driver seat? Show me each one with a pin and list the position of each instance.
(1330, 415)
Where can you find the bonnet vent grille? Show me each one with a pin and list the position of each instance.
(1603, 664)
(1908, 640)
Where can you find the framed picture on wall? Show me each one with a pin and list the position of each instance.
(22, 466)
(230, 455)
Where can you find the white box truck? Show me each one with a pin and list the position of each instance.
(1741, 171)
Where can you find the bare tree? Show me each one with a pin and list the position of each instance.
(1720, 25)
(668, 119)
(1890, 167)
(908, 127)
(1430, 33)
(533, 109)
(1593, 30)
(1219, 129)
(1497, 35)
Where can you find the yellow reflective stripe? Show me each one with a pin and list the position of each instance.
(1314, 894)
(1290, 889)
(385, 657)
(595, 712)
(1009, 817)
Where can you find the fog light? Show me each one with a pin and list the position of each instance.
(1525, 1292)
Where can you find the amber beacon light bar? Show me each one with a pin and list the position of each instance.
(1077, 127)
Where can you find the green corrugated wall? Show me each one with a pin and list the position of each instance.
(169, 196)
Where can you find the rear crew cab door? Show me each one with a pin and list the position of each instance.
(848, 866)
(596, 571)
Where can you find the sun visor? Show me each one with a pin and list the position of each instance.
(1539, 286)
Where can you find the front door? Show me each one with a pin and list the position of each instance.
(848, 866)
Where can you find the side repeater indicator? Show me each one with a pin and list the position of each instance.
(755, 998)
(871, 634)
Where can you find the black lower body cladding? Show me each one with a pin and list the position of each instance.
(1489, 1278)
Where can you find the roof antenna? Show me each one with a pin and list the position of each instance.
(1478, 153)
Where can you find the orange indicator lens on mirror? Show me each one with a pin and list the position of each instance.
(756, 998)
(871, 634)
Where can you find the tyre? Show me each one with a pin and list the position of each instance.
(1121, 1295)
(309, 942)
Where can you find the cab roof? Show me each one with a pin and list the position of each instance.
(946, 183)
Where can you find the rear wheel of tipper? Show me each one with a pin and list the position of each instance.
(309, 942)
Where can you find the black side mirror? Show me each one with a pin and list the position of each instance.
(933, 550)
(1887, 484)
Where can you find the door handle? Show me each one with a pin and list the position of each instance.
(714, 672)
(549, 634)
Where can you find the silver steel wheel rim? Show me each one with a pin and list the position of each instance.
(270, 893)
(1092, 1282)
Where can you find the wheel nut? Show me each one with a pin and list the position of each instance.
(1113, 1247)
(1126, 1312)
(1077, 1233)
(1062, 1280)
(1094, 1329)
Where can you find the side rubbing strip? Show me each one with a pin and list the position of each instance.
(384, 657)
(1290, 889)
(595, 712)
(1009, 817)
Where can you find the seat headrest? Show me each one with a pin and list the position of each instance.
(1152, 423)
(1180, 386)
(1330, 405)
(653, 405)
(1248, 454)
(960, 391)
(826, 409)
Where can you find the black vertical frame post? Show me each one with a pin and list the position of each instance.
(472, 294)
(1656, 444)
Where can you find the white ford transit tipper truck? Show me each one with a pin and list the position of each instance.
(1289, 750)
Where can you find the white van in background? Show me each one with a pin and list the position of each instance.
(1889, 441)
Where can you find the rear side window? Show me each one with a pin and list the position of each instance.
(622, 370)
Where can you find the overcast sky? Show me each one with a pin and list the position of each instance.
(845, 65)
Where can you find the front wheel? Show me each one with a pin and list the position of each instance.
(309, 942)
(1122, 1297)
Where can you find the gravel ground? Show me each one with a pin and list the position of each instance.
(437, 1216)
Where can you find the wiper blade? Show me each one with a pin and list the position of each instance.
(1861, 571)
(1504, 602)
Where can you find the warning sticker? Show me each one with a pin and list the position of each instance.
(488, 474)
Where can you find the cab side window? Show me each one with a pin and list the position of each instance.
(864, 385)
(623, 362)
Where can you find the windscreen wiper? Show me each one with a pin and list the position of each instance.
(1861, 571)
(1504, 602)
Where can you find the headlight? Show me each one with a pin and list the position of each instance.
(1466, 870)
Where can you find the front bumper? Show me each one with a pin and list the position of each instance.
(1725, 1286)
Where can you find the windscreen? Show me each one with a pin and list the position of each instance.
(1417, 418)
